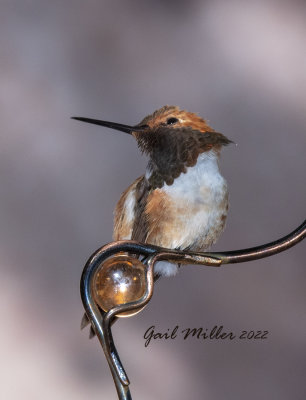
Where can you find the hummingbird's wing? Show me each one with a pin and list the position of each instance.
(140, 226)
(130, 219)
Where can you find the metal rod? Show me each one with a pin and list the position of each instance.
(266, 250)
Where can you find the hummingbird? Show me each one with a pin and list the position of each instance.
(181, 201)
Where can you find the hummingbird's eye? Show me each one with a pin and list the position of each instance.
(171, 121)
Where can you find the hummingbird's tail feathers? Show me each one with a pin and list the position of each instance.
(84, 321)
(91, 333)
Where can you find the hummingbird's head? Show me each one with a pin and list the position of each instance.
(173, 118)
(170, 129)
(172, 138)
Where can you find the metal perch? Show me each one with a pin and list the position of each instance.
(101, 320)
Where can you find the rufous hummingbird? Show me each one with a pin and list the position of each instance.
(181, 201)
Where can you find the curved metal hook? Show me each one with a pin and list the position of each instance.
(101, 321)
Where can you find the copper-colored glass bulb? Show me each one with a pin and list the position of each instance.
(120, 280)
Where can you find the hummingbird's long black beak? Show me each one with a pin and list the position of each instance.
(113, 125)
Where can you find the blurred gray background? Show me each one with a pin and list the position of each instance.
(241, 65)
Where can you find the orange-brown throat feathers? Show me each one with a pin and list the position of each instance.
(173, 140)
